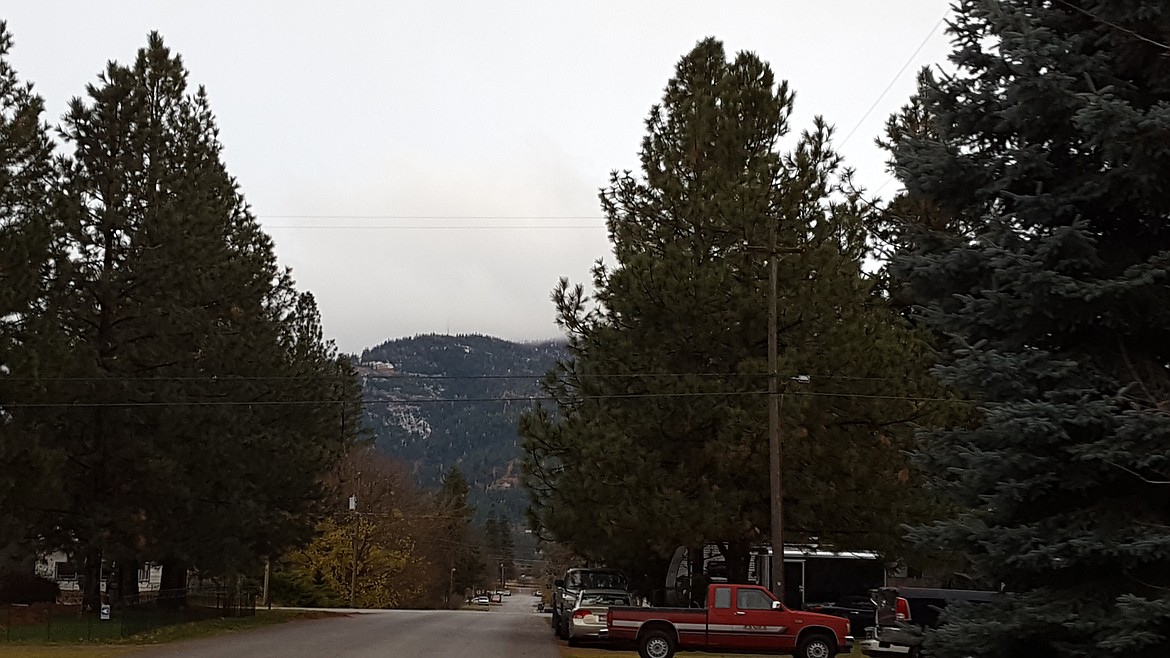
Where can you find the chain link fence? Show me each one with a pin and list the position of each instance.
(129, 616)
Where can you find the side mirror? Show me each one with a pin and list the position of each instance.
(559, 582)
(776, 605)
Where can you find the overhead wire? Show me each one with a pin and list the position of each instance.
(423, 377)
(526, 398)
(894, 80)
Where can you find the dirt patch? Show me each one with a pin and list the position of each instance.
(35, 614)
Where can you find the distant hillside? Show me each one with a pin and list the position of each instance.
(447, 400)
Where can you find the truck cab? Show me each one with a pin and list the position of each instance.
(737, 618)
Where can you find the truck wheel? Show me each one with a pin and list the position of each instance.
(816, 646)
(656, 644)
(563, 629)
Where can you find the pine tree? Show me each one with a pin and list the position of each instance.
(659, 436)
(463, 553)
(192, 355)
(27, 180)
(1045, 155)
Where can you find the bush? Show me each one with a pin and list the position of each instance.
(27, 588)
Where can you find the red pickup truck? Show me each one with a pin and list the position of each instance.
(738, 618)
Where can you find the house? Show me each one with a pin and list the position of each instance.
(57, 567)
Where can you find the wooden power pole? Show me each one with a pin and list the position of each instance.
(775, 453)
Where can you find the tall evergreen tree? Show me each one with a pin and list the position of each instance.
(1045, 155)
(463, 553)
(659, 435)
(27, 181)
(199, 398)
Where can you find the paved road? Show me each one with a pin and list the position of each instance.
(507, 630)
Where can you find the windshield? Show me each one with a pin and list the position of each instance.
(605, 599)
(597, 580)
(602, 580)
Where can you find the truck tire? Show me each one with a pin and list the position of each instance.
(656, 644)
(816, 645)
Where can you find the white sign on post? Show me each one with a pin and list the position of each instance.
(105, 611)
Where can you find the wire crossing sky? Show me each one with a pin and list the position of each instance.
(434, 167)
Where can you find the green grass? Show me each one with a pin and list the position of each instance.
(28, 641)
(209, 627)
(65, 651)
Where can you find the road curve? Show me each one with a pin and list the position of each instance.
(504, 631)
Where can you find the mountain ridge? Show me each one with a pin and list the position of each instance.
(441, 400)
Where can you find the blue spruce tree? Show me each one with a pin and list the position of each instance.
(1048, 153)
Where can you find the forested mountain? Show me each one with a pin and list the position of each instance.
(455, 400)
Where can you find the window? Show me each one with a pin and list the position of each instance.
(752, 599)
(65, 571)
(604, 599)
(723, 597)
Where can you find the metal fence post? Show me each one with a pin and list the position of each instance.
(49, 625)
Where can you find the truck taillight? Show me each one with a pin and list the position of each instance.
(902, 609)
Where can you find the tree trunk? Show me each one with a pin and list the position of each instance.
(736, 554)
(173, 584)
(126, 579)
(91, 575)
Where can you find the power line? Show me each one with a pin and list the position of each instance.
(422, 377)
(1113, 25)
(386, 227)
(494, 217)
(439, 218)
(532, 398)
(894, 80)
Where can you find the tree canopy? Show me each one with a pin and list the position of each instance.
(1043, 160)
(178, 375)
(657, 435)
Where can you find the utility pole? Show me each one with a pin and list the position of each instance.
(267, 575)
(775, 399)
(356, 524)
(775, 454)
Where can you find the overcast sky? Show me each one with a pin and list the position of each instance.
(406, 117)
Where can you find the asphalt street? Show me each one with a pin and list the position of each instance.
(504, 631)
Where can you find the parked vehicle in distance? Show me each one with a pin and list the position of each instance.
(481, 600)
(566, 589)
(902, 615)
(859, 610)
(587, 621)
(737, 618)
